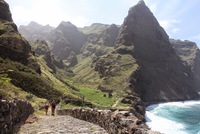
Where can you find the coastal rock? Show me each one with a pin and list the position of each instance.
(161, 74)
(190, 55)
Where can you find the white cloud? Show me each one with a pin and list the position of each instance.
(175, 30)
(50, 13)
(21, 15)
(153, 8)
(80, 21)
(175, 21)
(170, 25)
(166, 24)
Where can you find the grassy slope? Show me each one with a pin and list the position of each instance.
(19, 81)
(56, 83)
(10, 91)
(85, 74)
(87, 80)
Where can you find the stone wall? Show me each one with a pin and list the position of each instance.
(13, 112)
(118, 122)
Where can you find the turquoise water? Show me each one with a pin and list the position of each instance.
(175, 117)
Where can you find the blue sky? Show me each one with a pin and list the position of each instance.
(179, 18)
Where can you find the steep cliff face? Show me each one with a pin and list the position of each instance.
(41, 48)
(5, 11)
(12, 44)
(161, 76)
(65, 39)
(190, 55)
(101, 39)
(20, 71)
(101, 34)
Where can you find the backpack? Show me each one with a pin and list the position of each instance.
(53, 105)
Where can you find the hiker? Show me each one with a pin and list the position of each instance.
(53, 107)
(46, 107)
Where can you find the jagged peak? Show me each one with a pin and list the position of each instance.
(66, 24)
(141, 2)
(33, 23)
(140, 5)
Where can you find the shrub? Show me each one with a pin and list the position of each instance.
(34, 84)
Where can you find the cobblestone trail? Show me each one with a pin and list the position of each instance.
(61, 125)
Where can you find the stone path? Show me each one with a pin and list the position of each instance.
(61, 125)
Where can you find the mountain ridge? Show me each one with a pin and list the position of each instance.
(147, 43)
(156, 58)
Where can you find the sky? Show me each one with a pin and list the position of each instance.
(180, 18)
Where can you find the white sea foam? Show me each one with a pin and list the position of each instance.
(163, 125)
(178, 104)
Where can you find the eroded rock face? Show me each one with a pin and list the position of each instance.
(190, 55)
(5, 12)
(12, 44)
(42, 48)
(101, 34)
(161, 76)
(66, 39)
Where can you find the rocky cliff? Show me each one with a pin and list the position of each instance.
(65, 39)
(161, 76)
(101, 39)
(18, 66)
(41, 48)
(12, 44)
(101, 34)
(190, 55)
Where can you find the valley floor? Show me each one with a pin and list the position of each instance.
(60, 125)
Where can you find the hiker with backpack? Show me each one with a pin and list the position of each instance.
(53, 107)
(46, 107)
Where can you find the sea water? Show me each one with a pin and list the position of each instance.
(174, 117)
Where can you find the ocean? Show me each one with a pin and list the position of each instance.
(174, 117)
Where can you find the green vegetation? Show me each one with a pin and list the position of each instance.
(26, 78)
(118, 68)
(82, 84)
(85, 74)
(98, 97)
(56, 83)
